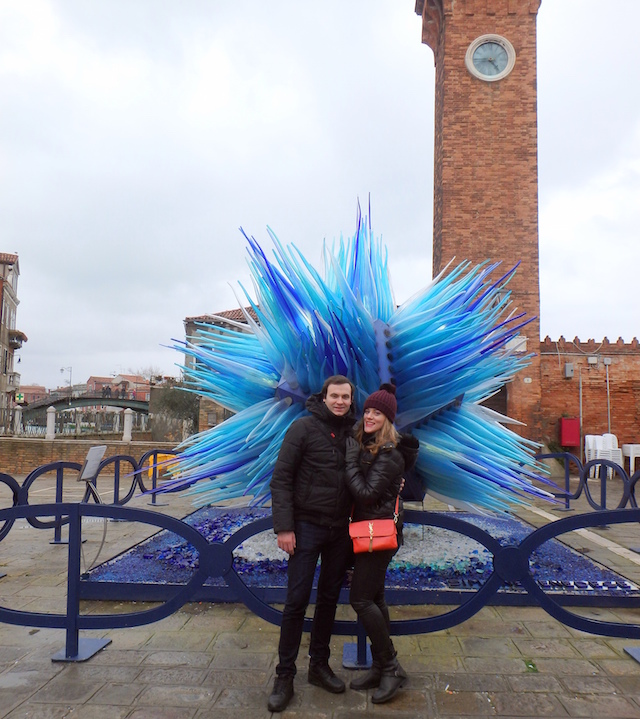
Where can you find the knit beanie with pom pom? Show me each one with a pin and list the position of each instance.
(384, 400)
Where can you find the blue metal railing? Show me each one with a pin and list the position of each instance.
(601, 467)
(511, 563)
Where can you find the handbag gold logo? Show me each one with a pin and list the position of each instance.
(371, 536)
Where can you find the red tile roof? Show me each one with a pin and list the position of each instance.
(233, 315)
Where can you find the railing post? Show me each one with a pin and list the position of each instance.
(358, 655)
(567, 482)
(73, 577)
(153, 466)
(57, 532)
(76, 650)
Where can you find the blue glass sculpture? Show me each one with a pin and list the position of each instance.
(447, 349)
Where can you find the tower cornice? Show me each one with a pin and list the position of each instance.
(433, 13)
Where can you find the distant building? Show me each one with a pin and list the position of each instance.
(32, 393)
(131, 386)
(11, 338)
(100, 386)
(211, 413)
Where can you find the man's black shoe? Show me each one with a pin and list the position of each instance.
(281, 694)
(321, 675)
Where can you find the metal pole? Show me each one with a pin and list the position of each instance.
(580, 396)
(608, 401)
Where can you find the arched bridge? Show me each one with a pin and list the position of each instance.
(85, 400)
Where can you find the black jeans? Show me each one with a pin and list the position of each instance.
(367, 598)
(333, 546)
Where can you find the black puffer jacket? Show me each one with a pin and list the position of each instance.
(374, 480)
(308, 479)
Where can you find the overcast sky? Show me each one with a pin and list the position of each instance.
(137, 136)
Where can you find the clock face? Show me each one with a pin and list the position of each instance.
(490, 57)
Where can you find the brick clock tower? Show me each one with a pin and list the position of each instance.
(486, 166)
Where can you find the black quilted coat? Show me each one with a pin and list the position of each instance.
(374, 480)
(308, 479)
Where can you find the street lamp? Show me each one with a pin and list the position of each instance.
(69, 370)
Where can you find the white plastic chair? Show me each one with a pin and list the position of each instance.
(589, 447)
(610, 446)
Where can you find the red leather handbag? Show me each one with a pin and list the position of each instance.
(374, 535)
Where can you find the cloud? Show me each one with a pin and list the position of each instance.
(137, 137)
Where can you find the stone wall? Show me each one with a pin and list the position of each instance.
(21, 455)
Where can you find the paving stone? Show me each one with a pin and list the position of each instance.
(532, 682)
(590, 685)
(248, 660)
(525, 704)
(162, 713)
(98, 711)
(11, 698)
(489, 647)
(234, 678)
(185, 641)
(420, 664)
(594, 649)
(550, 629)
(9, 654)
(173, 675)
(194, 659)
(257, 624)
(547, 648)
(463, 704)
(17, 679)
(487, 628)
(113, 656)
(244, 640)
(489, 665)
(627, 684)
(316, 698)
(619, 667)
(172, 696)
(562, 667)
(596, 705)
(114, 694)
(130, 639)
(249, 697)
(257, 713)
(42, 711)
(64, 690)
(463, 682)
(439, 645)
(83, 671)
(408, 701)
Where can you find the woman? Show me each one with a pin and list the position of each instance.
(375, 462)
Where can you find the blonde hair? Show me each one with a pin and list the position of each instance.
(387, 433)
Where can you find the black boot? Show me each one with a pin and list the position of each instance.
(281, 694)
(392, 678)
(321, 675)
(370, 680)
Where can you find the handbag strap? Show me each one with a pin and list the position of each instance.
(395, 510)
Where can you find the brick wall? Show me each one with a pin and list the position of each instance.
(21, 455)
(486, 168)
(561, 395)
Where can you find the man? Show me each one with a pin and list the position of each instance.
(311, 506)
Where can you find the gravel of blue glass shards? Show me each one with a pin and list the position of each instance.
(431, 558)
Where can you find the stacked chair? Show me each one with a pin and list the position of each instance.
(603, 446)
